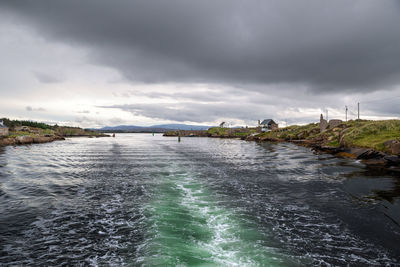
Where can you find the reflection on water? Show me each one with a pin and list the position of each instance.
(383, 184)
(143, 200)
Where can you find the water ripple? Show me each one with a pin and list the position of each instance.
(143, 200)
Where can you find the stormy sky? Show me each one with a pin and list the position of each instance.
(99, 62)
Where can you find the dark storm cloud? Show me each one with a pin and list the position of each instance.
(194, 112)
(324, 45)
(210, 95)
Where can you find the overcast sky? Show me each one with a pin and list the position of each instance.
(99, 62)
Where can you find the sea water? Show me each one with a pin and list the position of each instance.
(144, 200)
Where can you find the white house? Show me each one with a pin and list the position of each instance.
(268, 125)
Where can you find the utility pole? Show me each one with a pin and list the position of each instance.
(326, 114)
(358, 108)
(346, 112)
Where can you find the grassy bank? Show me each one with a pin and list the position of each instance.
(32, 128)
(378, 135)
(230, 132)
(214, 132)
(27, 132)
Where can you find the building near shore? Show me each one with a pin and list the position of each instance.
(268, 125)
(3, 129)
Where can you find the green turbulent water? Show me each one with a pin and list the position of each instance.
(188, 226)
(144, 200)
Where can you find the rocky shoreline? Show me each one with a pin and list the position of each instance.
(42, 133)
(369, 156)
(25, 140)
(375, 143)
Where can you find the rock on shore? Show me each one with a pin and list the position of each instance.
(373, 142)
(25, 140)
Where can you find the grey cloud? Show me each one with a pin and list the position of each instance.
(185, 95)
(83, 111)
(276, 102)
(88, 122)
(326, 46)
(47, 78)
(381, 107)
(116, 121)
(195, 112)
(29, 108)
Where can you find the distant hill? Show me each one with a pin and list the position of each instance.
(148, 129)
(181, 127)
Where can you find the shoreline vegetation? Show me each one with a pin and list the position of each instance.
(373, 142)
(29, 132)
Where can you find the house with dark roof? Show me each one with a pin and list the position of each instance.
(268, 125)
(3, 129)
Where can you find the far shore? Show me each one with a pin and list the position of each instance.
(376, 143)
(27, 132)
(26, 140)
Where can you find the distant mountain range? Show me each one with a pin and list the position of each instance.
(154, 128)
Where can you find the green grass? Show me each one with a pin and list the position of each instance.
(241, 134)
(293, 132)
(334, 143)
(358, 133)
(46, 129)
(62, 131)
(47, 132)
(218, 131)
(373, 134)
(20, 133)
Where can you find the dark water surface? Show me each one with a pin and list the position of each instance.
(139, 200)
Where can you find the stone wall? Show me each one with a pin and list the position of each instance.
(323, 124)
(334, 123)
